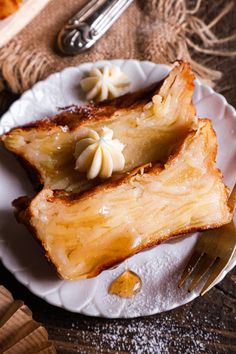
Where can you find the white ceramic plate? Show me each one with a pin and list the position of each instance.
(160, 267)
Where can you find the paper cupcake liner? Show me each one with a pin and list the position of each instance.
(19, 333)
(5, 300)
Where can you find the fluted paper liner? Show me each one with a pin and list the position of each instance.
(5, 300)
(45, 348)
(16, 316)
(19, 333)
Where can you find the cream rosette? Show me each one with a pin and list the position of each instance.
(103, 83)
(99, 155)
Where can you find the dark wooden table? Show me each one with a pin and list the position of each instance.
(206, 325)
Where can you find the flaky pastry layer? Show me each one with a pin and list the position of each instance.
(150, 123)
(83, 234)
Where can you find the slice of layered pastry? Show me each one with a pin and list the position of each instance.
(83, 234)
(136, 129)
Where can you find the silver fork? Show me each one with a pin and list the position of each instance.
(212, 253)
(89, 24)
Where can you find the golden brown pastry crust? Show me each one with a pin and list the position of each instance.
(108, 112)
(75, 116)
(25, 213)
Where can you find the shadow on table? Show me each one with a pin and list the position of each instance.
(18, 249)
(21, 253)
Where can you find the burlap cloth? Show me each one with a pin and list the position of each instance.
(157, 30)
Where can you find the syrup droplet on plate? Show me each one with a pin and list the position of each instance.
(126, 284)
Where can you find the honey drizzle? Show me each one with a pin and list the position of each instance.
(126, 285)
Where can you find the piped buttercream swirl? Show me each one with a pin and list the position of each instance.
(104, 83)
(99, 155)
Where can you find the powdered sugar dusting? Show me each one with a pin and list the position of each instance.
(157, 335)
(159, 270)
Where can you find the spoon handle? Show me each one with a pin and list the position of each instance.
(84, 29)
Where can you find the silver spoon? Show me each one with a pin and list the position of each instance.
(89, 24)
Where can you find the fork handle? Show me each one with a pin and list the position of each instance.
(232, 198)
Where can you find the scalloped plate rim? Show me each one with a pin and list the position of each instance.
(42, 82)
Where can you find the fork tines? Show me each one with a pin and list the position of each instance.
(212, 253)
(198, 266)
